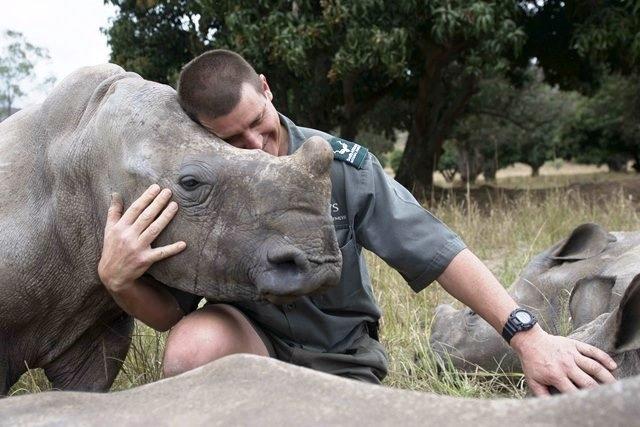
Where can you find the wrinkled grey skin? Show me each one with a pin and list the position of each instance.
(255, 225)
(589, 271)
(243, 390)
(618, 332)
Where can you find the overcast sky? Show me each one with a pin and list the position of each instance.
(69, 29)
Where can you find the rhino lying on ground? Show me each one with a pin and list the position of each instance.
(255, 225)
(252, 390)
(587, 285)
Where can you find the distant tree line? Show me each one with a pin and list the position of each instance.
(475, 85)
(535, 123)
(18, 58)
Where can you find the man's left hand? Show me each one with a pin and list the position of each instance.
(563, 363)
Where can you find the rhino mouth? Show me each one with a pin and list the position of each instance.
(285, 281)
(280, 281)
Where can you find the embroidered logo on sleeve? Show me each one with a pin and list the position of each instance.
(349, 152)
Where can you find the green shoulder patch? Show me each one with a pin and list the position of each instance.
(348, 152)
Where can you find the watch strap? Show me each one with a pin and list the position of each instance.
(513, 325)
(509, 331)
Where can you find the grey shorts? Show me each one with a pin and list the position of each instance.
(364, 360)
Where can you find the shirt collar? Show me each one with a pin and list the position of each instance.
(296, 137)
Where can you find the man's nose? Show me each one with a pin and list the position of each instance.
(253, 140)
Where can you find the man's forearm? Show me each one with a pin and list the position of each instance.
(148, 302)
(471, 282)
(547, 360)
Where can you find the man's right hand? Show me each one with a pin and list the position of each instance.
(127, 253)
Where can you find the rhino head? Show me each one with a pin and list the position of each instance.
(256, 226)
(544, 288)
(618, 332)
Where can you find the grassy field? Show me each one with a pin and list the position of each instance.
(505, 231)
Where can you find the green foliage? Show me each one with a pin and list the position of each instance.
(154, 38)
(393, 159)
(18, 59)
(329, 63)
(605, 127)
(578, 42)
(611, 35)
(376, 142)
(448, 163)
(380, 66)
(507, 124)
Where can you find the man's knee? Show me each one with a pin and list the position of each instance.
(206, 335)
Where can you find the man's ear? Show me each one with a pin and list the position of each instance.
(265, 87)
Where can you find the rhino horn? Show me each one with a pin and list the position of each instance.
(590, 298)
(586, 241)
(315, 155)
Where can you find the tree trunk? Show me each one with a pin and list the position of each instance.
(416, 167)
(489, 171)
(349, 129)
(617, 163)
(313, 114)
(434, 113)
(350, 117)
(354, 109)
(636, 162)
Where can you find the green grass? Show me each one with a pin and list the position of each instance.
(505, 232)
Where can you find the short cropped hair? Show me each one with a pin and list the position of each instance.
(211, 83)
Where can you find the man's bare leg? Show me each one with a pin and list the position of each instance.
(208, 334)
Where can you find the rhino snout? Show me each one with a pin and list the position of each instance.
(290, 273)
(441, 322)
(443, 309)
(288, 257)
(442, 317)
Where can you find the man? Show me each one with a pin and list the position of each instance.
(335, 332)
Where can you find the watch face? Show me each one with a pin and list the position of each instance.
(523, 317)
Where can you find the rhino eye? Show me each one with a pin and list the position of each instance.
(189, 183)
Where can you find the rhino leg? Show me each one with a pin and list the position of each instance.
(94, 361)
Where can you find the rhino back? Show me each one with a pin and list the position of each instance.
(252, 390)
(44, 262)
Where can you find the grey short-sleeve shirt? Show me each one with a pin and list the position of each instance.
(373, 211)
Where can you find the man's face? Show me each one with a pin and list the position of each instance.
(252, 124)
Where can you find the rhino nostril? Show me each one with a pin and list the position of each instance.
(287, 273)
(288, 257)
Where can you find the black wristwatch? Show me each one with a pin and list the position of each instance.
(519, 320)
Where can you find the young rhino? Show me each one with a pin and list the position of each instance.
(256, 226)
(589, 271)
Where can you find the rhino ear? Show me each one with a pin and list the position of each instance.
(590, 298)
(586, 241)
(627, 321)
